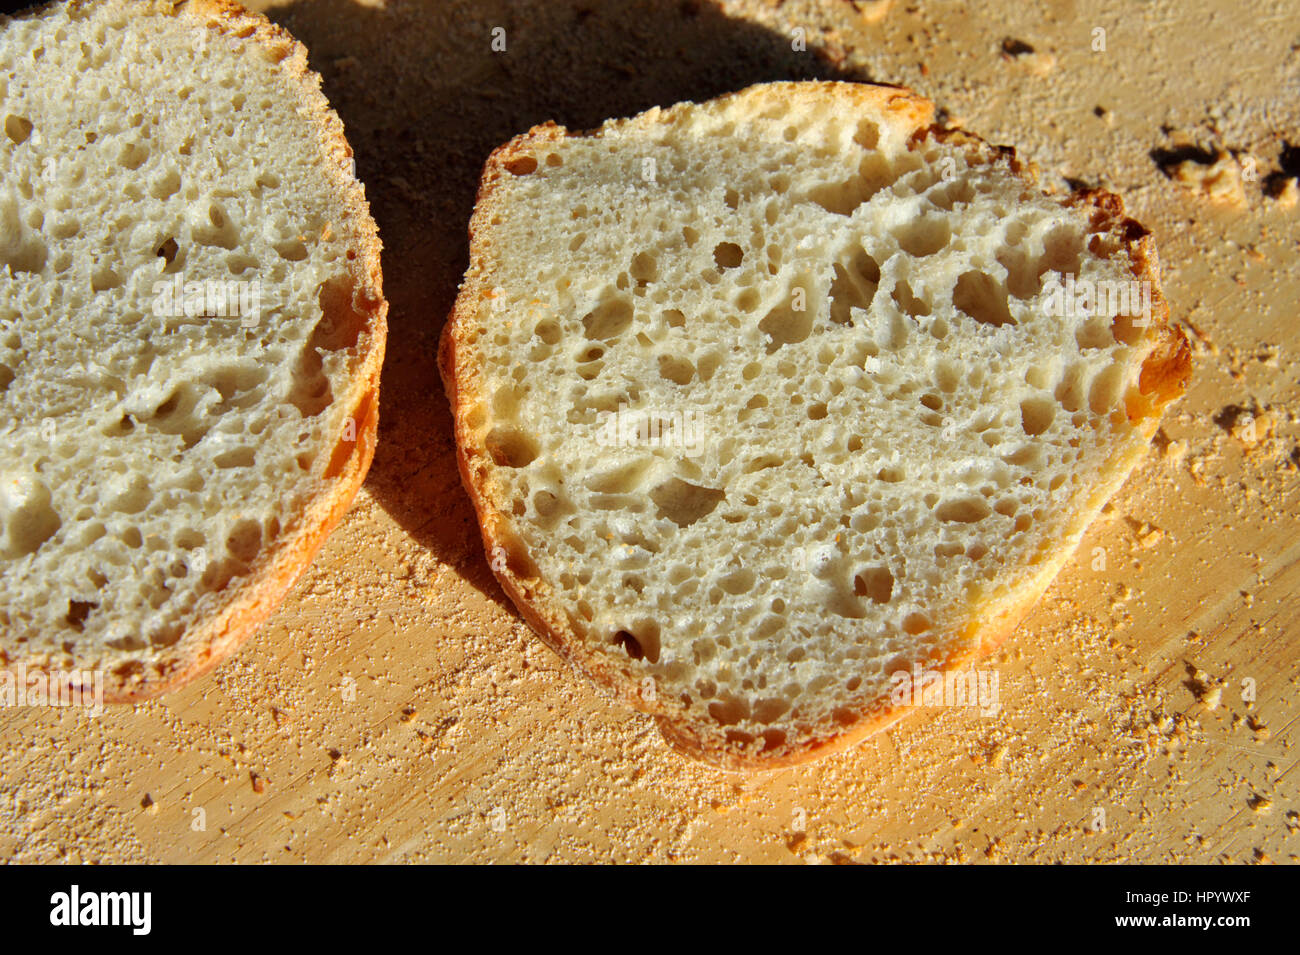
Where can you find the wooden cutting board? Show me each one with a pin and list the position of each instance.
(396, 709)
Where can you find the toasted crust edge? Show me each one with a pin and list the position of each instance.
(1163, 376)
(257, 596)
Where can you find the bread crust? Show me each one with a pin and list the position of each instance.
(1164, 373)
(254, 597)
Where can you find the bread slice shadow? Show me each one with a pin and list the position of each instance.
(426, 90)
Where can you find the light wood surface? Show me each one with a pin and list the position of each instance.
(396, 709)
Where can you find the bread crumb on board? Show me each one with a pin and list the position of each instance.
(1215, 177)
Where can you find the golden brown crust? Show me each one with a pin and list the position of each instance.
(256, 596)
(1163, 377)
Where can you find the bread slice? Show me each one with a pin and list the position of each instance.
(191, 331)
(764, 400)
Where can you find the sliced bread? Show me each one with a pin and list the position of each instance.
(191, 331)
(767, 400)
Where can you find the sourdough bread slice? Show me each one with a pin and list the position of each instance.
(191, 331)
(765, 400)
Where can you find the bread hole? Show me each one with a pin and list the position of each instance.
(946, 550)
(643, 267)
(963, 510)
(842, 198)
(608, 320)
(684, 503)
(854, 286)
(133, 498)
(916, 623)
(728, 255)
(948, 194)
(867, 134)
(217, 574)
(946, 375)
(1024, 278)
(521, 165)
(554, 159)
(20, 248)
(133, 155)
(218, 230)
(933, 402)
(511, 447)
(550, 508)
(675, 318)
(342, 321)
(292, 250)
(236, 458)
(625, 479)
(732, 199)
(817, 412)
(690, 236)
(908, 302)
(17, 128)
(1027, 455)
(1069, 392)
(980, 297)
(167, 251)
(1023, 522)
(890, 475)
(189, 539)
(924, 236)
(844, 715)
(1106, 389)
(788, 323)
(238, 262)
(630, 644)
(1036, 414)
(729, 710)
(1125, 329)
(165, 185)
(244, 541)
(311, 392)
(738, 582)
(506, 402)
(175, 415)
(874, 583)
(104, 278)
(1063, 250)
(132, 538)
(677, 370)
(770, 709)
(517, 561)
